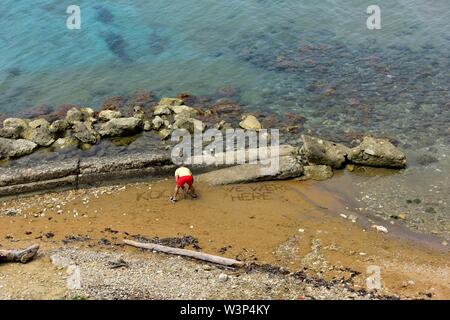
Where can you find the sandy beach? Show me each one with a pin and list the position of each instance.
(303, 234)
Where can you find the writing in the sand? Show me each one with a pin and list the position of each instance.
(252, 193)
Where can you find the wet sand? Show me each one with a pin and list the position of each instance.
(295, 225)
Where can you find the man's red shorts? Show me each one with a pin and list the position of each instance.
(181, 181)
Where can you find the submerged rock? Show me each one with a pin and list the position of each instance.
(322, 152)
(250, 122)
(377, 152)
(121, 127)
(317, 172)
(138, 112)
(190, 124)
(16, 148)
(84, 132)
(183, 109)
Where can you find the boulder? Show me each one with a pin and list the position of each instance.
(164, 133)
(65, 143)
(249, 122)
(15, 126)
(170, 102)
(183, 108)
(58, 127)
(39, 123)
(74, 115)
(162, 110)
(289, 167)
(377, 152)
(322, 152)
(88, 115)
(40, 135)
(190, 124)
(138, 112)
(107, 115)
(11, 133)
(157, 122)
(121, 127)
(16, 148)
(147, 125)
(317, 172)
(85, 133)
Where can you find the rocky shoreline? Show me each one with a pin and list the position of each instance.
(83, 128)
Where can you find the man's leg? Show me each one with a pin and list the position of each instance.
(175, 192)
(192, 191)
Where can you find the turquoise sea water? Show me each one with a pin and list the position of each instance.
(314, 58)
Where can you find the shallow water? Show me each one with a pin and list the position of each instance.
(316, 58)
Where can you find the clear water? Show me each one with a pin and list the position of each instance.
(316, 58)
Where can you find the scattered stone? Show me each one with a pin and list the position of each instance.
(11, 212)
(377, 153)
(223, 277)
(350, 167)
(183, 109)
(88, 115)
(322, 152)
(380, 228)
(249, 122)
(17, 124)
(164, 133)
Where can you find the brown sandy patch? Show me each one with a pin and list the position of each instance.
(291, 224)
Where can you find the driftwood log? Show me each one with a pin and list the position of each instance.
(187, 253)
(22, 256)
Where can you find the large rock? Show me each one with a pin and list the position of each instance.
(58, 127)
(14, 127)
(289, 167)
(184, 109)
(74, 115)
(162, 110)
(323, 152)
(121, 127)
(190, 124)
(39, 123)
(157, 122)
(249, 122)
(66, 143)
(88, 115)
(16, 148)
(138, 112)
(107, 115)
(39, 135)
(85, 133)
(377, 153)
(11, 133)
